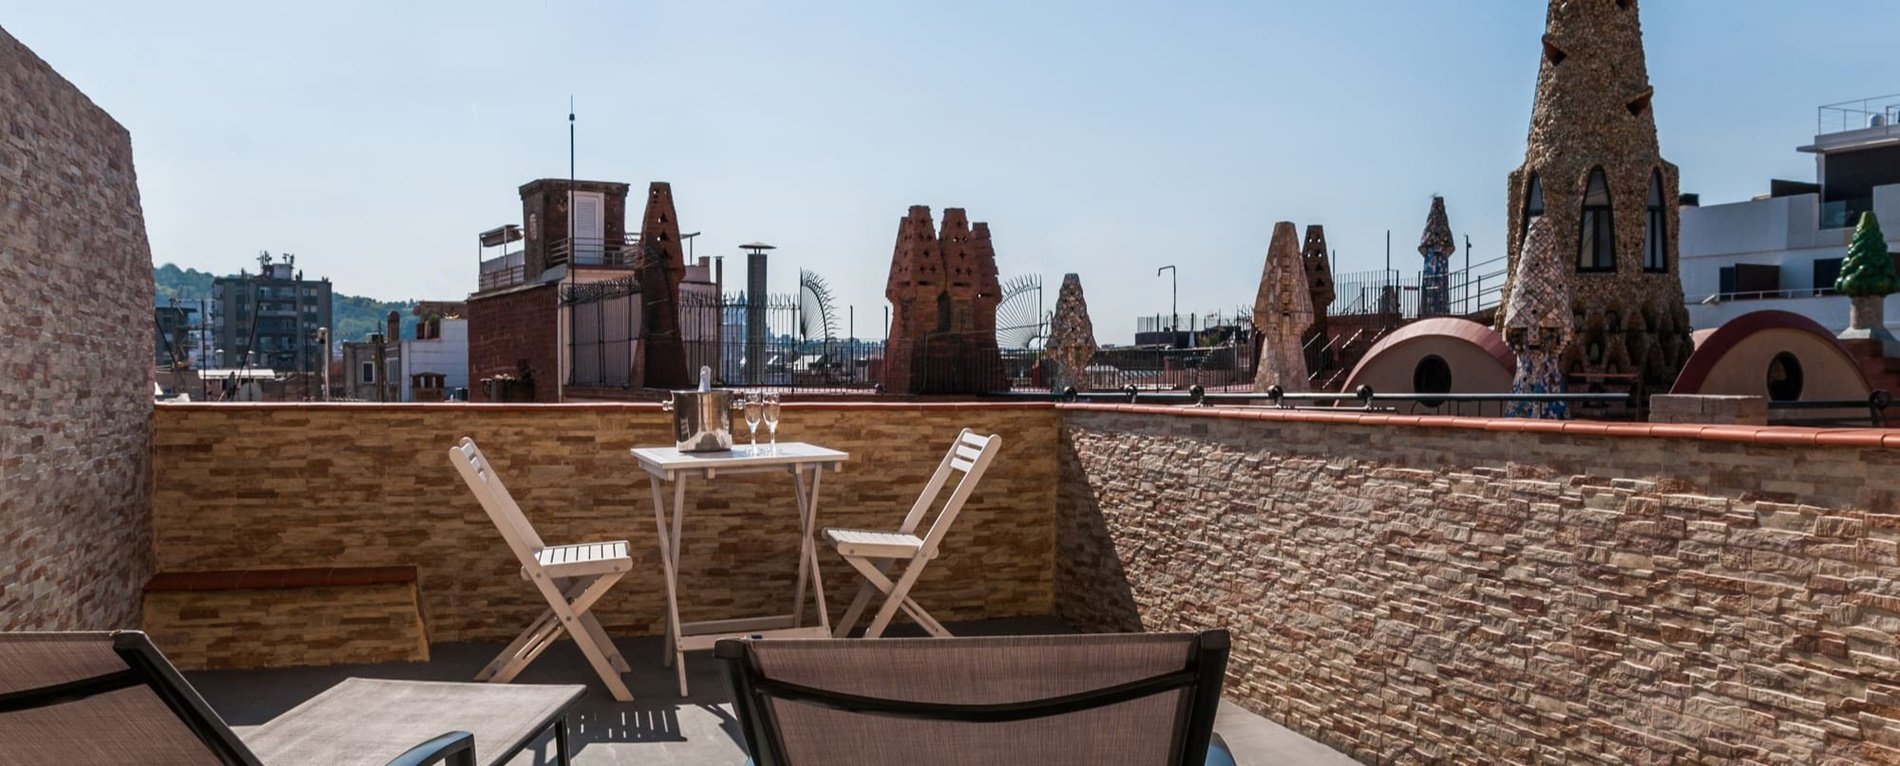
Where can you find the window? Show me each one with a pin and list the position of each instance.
(1784, 378)
(369, 372)
(1596, 241)
(1431, 376)
(1656, 234)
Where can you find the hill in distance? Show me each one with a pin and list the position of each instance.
(354, 317)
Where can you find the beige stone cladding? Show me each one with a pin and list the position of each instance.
(269, 628)
(1465, 593)
(1593, 111)
(268, 486)
(75, 358)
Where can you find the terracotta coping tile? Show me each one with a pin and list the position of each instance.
(1884, 438)
(1787, 435)
(278, 579)
(1731, 433)
(1677, 430)
(1850, 437)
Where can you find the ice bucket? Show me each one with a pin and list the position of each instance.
(702, 420)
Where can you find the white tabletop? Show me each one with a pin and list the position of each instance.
(671, 460)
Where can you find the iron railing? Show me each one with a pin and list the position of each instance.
(595, 252)
(1871, 411)
(501, 271)
(603, 326)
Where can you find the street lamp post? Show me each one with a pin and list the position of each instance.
(1174, 290)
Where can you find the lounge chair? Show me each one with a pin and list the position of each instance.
(111, 698)
(1135, 699)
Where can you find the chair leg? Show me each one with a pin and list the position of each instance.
(851, 615)
(515, 647)
(592, 624)
(563, 756)
(894, 597)
(924, 619)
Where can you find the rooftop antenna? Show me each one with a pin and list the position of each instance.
(570, 181)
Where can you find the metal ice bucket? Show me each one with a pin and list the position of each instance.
(702, 420)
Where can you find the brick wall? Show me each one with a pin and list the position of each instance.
(508, 328)
(75, 358)
(247, 486)
(1456, 590)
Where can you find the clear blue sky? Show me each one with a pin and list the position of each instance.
(375, 139)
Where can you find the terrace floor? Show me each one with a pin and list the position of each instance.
(659, 727)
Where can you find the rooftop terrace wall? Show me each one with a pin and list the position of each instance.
(75, 358)
(295, 485)
(1463, 590)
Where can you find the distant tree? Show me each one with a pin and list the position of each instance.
(1867, 271)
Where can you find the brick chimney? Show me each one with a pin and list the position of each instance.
(395, 327)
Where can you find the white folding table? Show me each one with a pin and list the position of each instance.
(806, 463)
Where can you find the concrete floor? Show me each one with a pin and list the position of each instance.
(659, 728)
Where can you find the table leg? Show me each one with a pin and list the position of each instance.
(804, 546)
(679, 514)
(669, 565)
(811, 544)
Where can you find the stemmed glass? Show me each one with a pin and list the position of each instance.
(771, 419)
(754, 409)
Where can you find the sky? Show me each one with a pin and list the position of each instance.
(375, 139)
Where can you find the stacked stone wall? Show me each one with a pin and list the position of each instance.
(75, 358)
(270, 486)
(1453, 590)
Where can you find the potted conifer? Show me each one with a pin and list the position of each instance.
(1867, 278)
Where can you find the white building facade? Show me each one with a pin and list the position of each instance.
(1783, 251)
(445, 355)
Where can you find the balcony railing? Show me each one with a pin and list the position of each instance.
(595, 252)
(503, 271)
(1878, 112)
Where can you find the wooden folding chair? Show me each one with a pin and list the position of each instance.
(570, 577)
(874, 554)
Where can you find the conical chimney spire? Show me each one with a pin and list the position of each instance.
(1593, 170)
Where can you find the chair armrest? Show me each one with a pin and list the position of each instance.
(456, 748)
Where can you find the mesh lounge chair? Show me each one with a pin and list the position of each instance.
(1138, 699)
(112, 698)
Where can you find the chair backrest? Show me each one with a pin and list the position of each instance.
(967, 459)
(1138, 699)
(104, 698)
(493, 495)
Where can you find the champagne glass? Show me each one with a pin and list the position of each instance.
(771, 419)
(754, 409)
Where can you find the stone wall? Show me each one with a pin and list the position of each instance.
(1457, 590)
(268, 486)
(75, 358)
(275, 627)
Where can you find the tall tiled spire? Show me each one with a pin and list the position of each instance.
(1537, 323)
(1072, 334)
(661, 266)
(1593, 168)
(1436, 246)
(1282, 310)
